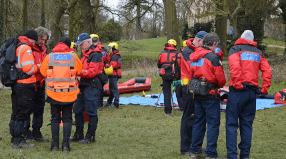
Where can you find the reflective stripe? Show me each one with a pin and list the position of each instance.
(32, 70)
(62, 90)
(27, 63)
(60, 79)
(61, 64)
(19, 57)
(51, 58)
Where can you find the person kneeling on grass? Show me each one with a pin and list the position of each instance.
(61, 68)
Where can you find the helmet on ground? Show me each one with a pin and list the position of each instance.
(109, 70)
(184, 43)
(113, 45)
(173, 42)
(95, 38)
(73, 44)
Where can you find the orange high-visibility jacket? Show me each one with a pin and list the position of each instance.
(25, 61)
(61, 70)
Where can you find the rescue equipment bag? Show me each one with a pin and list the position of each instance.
(198, 86)
(9, 74)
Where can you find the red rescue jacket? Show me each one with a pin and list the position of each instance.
(164, 54)
(245, 61)
(115, 62)
(39, 55)
(204, 63)
(185, 60)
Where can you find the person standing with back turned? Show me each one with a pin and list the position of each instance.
(245, 61)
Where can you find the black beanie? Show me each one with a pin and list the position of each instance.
(66, 40)
(31, 34)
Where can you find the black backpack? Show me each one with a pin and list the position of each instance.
(9, 74)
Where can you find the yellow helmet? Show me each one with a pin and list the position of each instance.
(184, 43)
(113, 45)
(173, 42)
(109, 70)
(73, 44)
(94, 35)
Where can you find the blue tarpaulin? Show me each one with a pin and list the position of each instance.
(144, 101)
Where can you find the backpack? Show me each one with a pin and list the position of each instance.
(9, 74)
(167, 70)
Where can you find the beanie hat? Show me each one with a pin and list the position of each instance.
(201, 34)
(248, 35)
(66, 40)
(31, 34)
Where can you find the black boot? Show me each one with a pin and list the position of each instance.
(78, 135)
(66, 135)
(38, 136)
(55, 136)
(90, 135)
(19, 139)
(12, 127)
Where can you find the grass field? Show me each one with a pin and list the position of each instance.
(271, 41)
(136, 131)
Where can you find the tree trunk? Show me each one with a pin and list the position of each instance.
(87, 16)
(25, 16)
(56, 32)
(1, 22)
(71, 20)
(221, 27)
(96, 6)
(43, 19)
(172, 25)
(138, 23)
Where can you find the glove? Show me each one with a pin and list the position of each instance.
(258, 91)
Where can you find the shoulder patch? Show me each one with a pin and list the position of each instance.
(29, 52)
(217, 50)
(119, 60)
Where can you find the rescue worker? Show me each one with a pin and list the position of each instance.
(206, 66)
(115, 62)
(61, 68)
(106, 59)
(38, 100)
(245, 61)
(89, 85)
(165, 66)
(188, 117)
(24, 89)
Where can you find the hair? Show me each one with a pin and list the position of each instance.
(42, 31)
(95, 40)
(211, 38)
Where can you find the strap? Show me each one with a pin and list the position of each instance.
(62, 90)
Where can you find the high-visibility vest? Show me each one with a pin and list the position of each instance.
(61, 75)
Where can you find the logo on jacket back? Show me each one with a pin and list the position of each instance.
(250, 56)
(200, 63)
(62, 57)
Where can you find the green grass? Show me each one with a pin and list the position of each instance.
(272, 41)
(276, 50)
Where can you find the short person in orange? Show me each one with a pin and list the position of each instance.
(61, 68)
(24, 89)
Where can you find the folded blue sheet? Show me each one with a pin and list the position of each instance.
(144, 101)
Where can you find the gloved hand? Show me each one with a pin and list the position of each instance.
(258, 91)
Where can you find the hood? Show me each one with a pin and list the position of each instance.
(199, 53)
(61, 47)
(116, 52)
(190, 44)
(242, 41)
(72, 49)
(38, 48)
(170, 47)
(92, 48)
(24, 39)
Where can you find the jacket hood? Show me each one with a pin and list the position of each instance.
(92, 48)
(24, 39)
(190, 44)
(61, 47)
(38, 48)
(199, 53)
(170, 47)
(116, 52)
(242, 41)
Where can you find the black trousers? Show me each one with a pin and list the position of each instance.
(21, 96)
(187, 122)
(66, 110)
